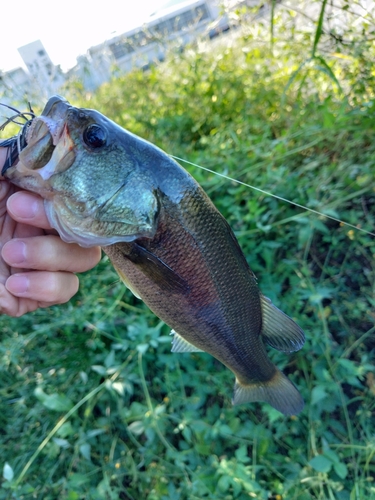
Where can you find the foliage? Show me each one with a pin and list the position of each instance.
(93, 403)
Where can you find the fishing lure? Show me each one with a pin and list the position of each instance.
(17, 143)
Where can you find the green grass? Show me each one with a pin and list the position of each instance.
(93, 403)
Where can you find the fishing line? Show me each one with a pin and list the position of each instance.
(30, 113)
(25, 115)
(316, 212)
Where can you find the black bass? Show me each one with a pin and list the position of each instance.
(104, 186)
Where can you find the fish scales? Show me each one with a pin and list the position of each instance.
(104, 186)
(208, 314)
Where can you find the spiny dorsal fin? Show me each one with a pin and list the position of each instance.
(179, 344)
(278, 330)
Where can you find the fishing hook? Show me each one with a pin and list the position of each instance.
(16, 143)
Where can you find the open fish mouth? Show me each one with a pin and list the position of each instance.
(38, 139)
(102, 185)
(65, 156)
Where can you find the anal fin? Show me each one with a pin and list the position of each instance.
(179, 344)
(278, 330)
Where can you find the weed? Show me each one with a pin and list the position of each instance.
(95, 406)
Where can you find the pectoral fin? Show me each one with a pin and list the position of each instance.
(278, 330)
(156, 270)
(179, 344)
(125, 281)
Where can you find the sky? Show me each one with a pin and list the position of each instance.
(66, 28)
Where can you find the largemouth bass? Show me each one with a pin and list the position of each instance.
(102, 185)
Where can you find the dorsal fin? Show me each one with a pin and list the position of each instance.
(278, 330)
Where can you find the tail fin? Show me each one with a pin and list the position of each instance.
(279, 392)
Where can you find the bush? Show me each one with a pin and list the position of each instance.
(95, 406)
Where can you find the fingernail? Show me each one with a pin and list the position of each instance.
(15, 252)
(23, 205)
(17, 284)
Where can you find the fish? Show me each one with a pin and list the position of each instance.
(103, 185)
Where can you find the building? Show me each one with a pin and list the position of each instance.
(172, 26)
(44, 75)
(175, 25)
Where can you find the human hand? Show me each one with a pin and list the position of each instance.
(36, 267)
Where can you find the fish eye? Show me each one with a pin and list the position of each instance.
(95, 136)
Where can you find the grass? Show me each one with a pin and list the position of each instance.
(94, 405)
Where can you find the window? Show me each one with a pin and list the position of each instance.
(121, 49)
(163, 28)
(183, 20)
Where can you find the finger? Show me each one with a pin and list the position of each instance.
(43, 286)
(6, 189)
(8, 303)
(16, 307)
(28, 208)
(49, 253)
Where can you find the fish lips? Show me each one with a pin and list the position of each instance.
(123, 212)
(56, 107)
(47, 150)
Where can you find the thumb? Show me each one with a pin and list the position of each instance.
(6, 190)
(28, 208)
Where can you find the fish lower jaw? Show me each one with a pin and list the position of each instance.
(28, 180)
